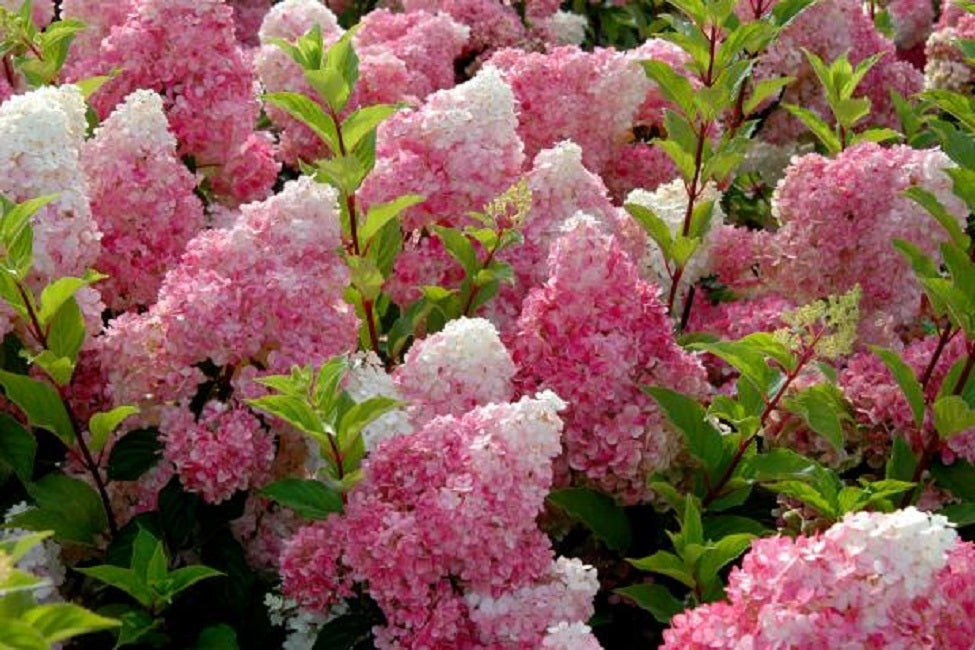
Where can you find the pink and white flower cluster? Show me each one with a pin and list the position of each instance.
(873, 580)
(442, 528)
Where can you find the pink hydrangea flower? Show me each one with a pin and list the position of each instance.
(223, 450)
(142, 200)
(873, 580)
(442, 527)
(596, 333)
(187, 51)
(493, 24)
(248, 15)
(267, 289)
(460, 150)
(848, 210)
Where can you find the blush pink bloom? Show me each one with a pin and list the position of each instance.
(597, 333)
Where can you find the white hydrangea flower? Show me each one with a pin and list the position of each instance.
(669, 202)
(565, 27)
(41, 135)
(367, 379)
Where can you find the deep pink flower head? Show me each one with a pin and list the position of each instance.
(560, 91)
(873, 580)
(187, 51)
(248, 15)
(442, 528)
(493, 23)
(596, 333)
(460, 150)
(426, 43)
(224, 450)
(99, 17)
(267, 289)
(838, 219)
(142, 200)
(829, 29)
(881, 408)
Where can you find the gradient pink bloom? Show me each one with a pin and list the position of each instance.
(142, 200)
(873, 580)
(460, 150)
(596, 333)
(186, 50)
(442, 528)
(848, 210)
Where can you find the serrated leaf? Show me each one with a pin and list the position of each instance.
(59, 292)
(123, 579)
(818, 127)
(68, 506)
(654, 598)
(360, 122)
(182, 579)
(17, 448)
(459, 247)
(763, 90)
(66, 332)
(310, 499)
(675, 87)
(820, 407)
(666, 564)
(380, 214)
(308, 113)
(292, 410)
(703, 440)
(59, 621)
(952, 415)
(40, 403)
(658, 230)
(824, 504)
(134, 454)
(102, 425)
(598, 512)
(936, 209)
(721, 553)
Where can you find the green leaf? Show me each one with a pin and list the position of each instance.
(217, 637)
(906, 380)
(703, 440)
(819, 128)
(825, 504)
(101, 425)
(308, 113)
(182, 579)
(134, 454)
(959, 477)
(850, 111)
(123, 579)
(292, 410)
(310, 499)
(598, 512)
(960, 514)
(59, 369)
(19, 635)
(68, 506)
(779, 464)
(675, 87)
(17, 448)
(380, 214)
(763, 90)
(360, 122)
(59, 292)
(952, 415)
(691, 528)
(747, 358)
(459, 247)
(820, 407)
(148, 560)
(722, 553)
(718, 526)
(347, 632)
(40, 403)
(658, 230)
(666, 564)
(934, 207)
(66, 331)
(17, 547)
(654, 598)
(60, 621)
(902, 461)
